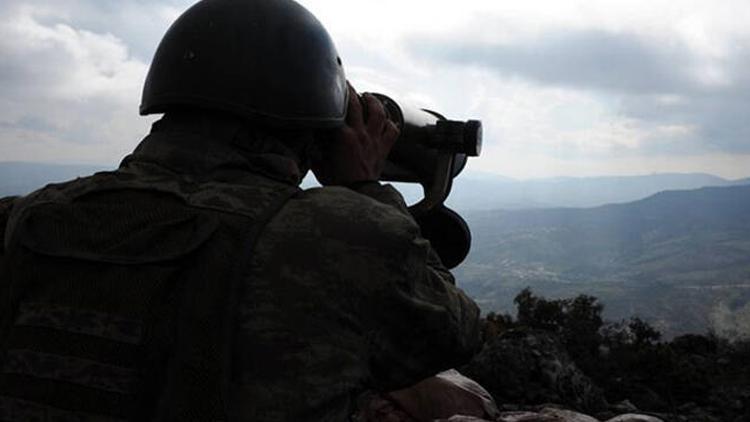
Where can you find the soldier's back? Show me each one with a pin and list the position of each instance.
(118, 288)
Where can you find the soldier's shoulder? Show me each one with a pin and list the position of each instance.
(15, 207)
(335, 196)
(341, 209)
(59, 190)
(344, 201)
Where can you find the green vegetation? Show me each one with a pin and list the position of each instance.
(628, 360)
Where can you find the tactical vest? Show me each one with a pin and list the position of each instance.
(118, 297)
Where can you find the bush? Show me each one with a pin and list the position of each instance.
(629, 360)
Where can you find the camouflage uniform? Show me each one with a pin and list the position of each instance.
(338, 295)
(6, 206)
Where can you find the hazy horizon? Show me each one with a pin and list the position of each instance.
(466, 174)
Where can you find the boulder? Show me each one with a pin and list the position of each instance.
(531, 367)
(446, 394)
(632, 417)
(567, 415)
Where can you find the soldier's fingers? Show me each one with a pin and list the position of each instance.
(354, 112)
(375, 114)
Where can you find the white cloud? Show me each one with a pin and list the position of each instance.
(68, 94)
(88, 64)
(72, 71)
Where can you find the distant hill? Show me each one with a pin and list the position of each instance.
(740, 182)
(482, 191)
(487, 193)
(18, 178)
(692, 246)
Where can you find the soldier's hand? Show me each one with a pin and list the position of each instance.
(356, 152)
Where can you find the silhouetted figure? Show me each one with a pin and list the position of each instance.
(197, 281)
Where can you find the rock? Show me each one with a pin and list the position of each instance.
(531, 367)
(624, 406)
(462, 418)
(545, 415)
(568, 415)
(642, 397)
(525, 417)
(606, 415)
(632, 417)
(448, 393)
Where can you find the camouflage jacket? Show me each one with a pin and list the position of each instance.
(340, 295)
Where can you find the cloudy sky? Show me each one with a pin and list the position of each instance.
(564, 88)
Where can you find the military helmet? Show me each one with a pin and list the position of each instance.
(270, 61)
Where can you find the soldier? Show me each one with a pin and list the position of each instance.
(197, 281)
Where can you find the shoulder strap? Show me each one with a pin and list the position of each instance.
(201, 373)
(233, 289)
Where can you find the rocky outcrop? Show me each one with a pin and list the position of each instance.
(630, 417)
(526, 375)
(452, 397)
(530, 367)
(552, 415)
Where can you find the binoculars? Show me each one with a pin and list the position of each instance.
(431, 151)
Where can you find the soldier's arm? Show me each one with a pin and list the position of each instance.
(426, 324)
(420, 322)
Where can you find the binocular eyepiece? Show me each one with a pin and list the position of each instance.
(432, 150)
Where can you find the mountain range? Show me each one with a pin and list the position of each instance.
(673, 257)
(482, 191)
(20, 178)
(473, 191)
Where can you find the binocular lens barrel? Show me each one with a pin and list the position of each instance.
(433, 130)
(432, 150)
(426, 138)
